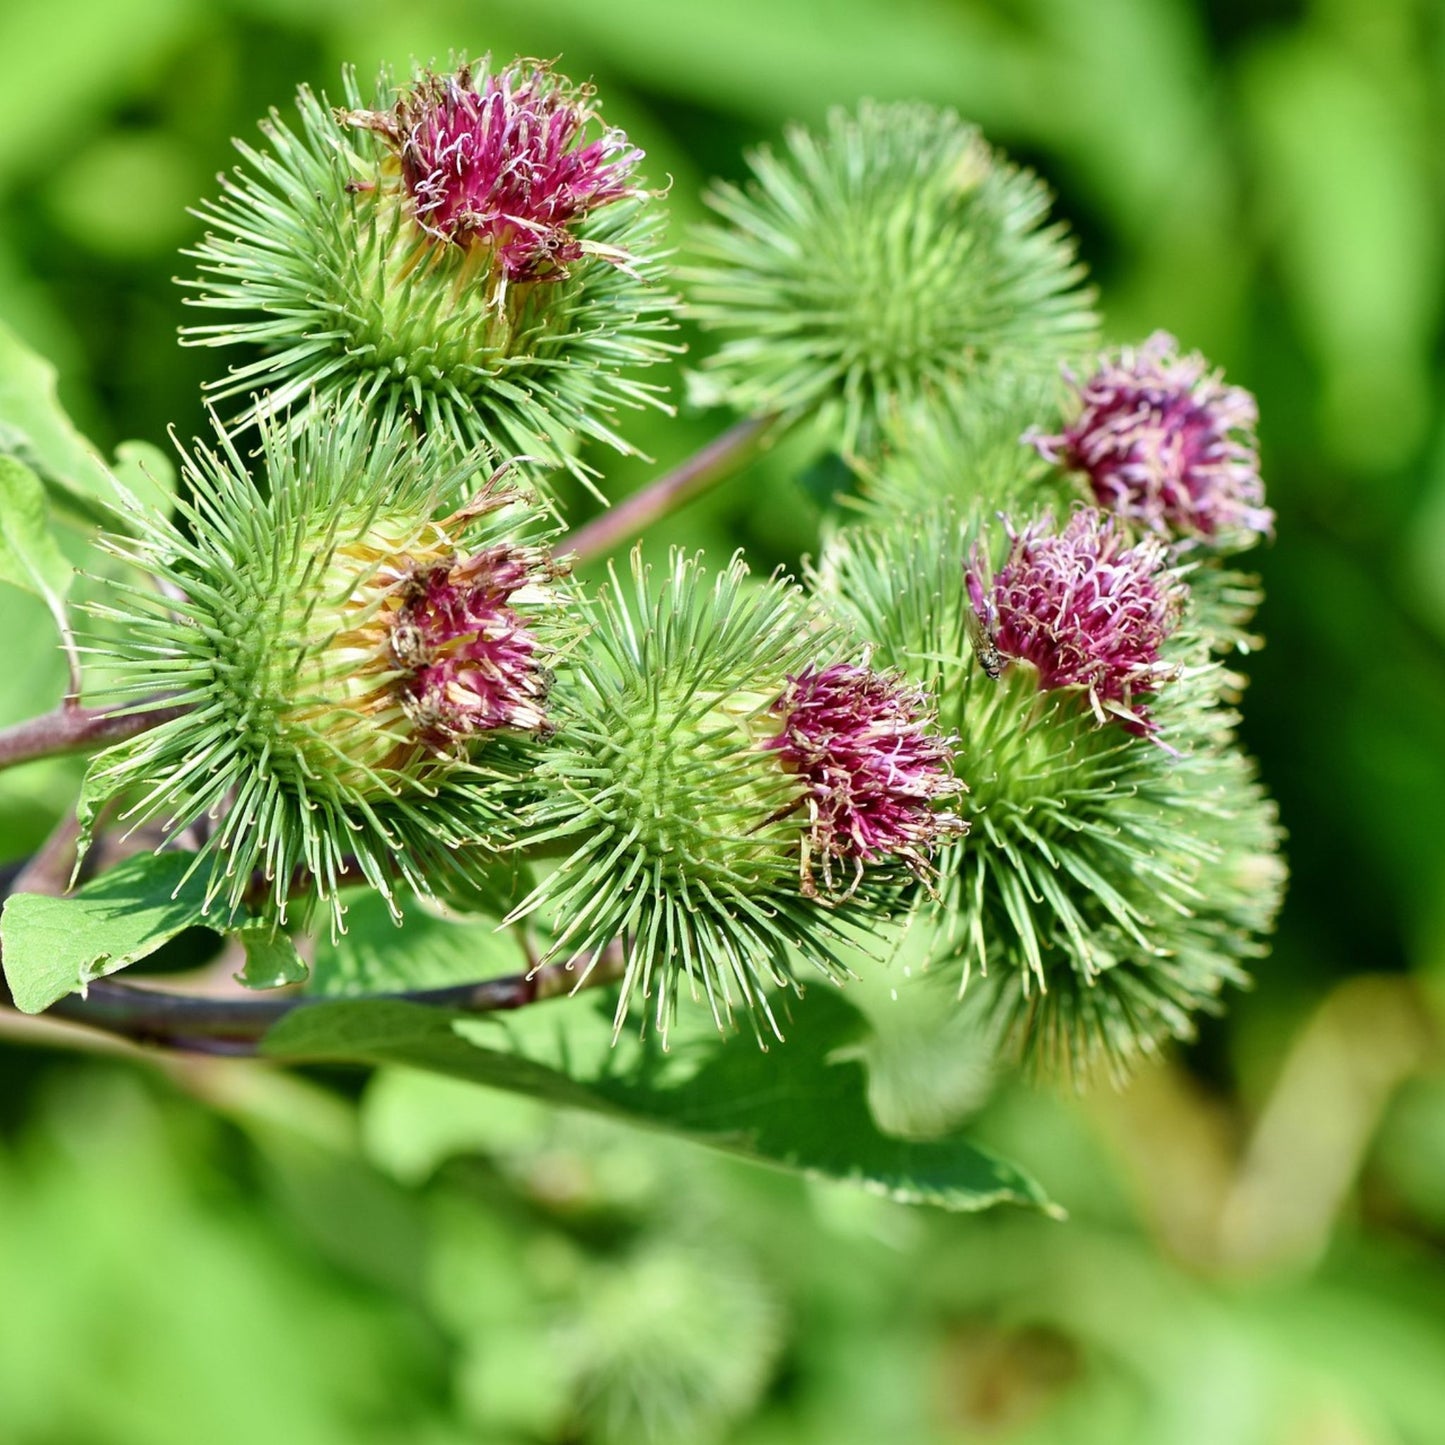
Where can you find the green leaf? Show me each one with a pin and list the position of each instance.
(378, 955)
(55, 946)
(35, 431)
(29, 556)
(271, 958)
(801, 1107)
(147, 473)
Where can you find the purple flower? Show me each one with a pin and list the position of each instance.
(1167, 444)
(1084, 609)
(467, 660)
(502, 162)
(863, 744)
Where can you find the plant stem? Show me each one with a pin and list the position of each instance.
(197, 1024)
(71, 729)
(718, 460)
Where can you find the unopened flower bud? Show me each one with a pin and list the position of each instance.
(887, 259)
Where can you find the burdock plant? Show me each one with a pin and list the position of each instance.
(996, 716)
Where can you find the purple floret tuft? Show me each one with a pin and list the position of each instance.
(1085, 609)
(503, 161)
(469, 664)
(1165, 443)
(864, 744)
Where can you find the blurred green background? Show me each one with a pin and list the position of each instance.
(199, 1250)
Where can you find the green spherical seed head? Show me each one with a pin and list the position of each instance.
(683, 834)
(872, 266)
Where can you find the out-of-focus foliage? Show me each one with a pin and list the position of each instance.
(1253, 1253)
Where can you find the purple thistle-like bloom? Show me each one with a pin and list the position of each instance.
(467, 660)
(1166, 443)
(1084, 608)
(502, 161)
(862, 742)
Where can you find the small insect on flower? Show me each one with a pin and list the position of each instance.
(875, 769)
(980, 625)
(1165, 443)
(1084, 608)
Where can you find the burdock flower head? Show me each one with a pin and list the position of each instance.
(1111, 886)
(1084, 608)
(1165, 443)
(472, 251)
(356, 669)
(875, 768)
(712, 769)
(503, 163)
(468, 659)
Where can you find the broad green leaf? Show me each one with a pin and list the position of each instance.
(802, 1106)
(29, 556)
(55, 946)
(378, 955)
(271, 958)
(35, 430)
(32, 797)
(147, 473)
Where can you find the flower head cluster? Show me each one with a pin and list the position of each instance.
(862, 741)
(502, 161)
(1084, 608)
(1166, 443)
(1111, 886)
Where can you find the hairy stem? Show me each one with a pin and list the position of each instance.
(718, 460)
(72, 729)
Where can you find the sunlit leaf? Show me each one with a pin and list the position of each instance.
(29, 556)
(271, 958)
(803, 1107)
(55, 946)
(35, 430)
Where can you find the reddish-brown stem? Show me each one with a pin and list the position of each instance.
(195, 1023)
(715, 462)
(71, 729)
